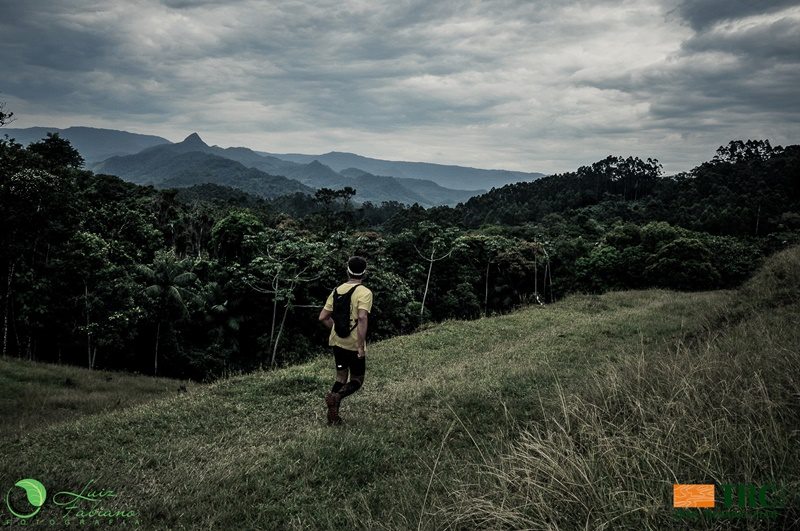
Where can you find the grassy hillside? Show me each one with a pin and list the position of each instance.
(581, 413)
(723, 408)
(34, 395)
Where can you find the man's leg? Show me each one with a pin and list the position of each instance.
(341, 379)
(333, 398)
(358, 368)
(355, 383)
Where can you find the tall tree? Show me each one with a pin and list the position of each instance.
(56, 153)
(170, 286)
(436, 244)
(283, 261)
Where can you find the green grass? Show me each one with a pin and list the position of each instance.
(33, 395)
(454, 423)
(723, 408)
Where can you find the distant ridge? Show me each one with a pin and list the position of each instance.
(186, 163)
(375, 180)
(93, 144)
(190, 163)
(449, 176)
(97, 145)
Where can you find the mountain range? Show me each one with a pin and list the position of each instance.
(92, 143)
(449, 176)
(192, 162)
(180, 165)
(147, 159)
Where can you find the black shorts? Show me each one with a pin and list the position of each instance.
(348, 359)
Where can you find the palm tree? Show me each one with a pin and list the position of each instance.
(170, 285)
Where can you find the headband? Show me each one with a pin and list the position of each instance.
(356, 274)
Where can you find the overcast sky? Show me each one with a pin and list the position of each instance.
(526, 85)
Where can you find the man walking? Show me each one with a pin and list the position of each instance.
(346, 312)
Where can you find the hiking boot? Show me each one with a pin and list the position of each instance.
(333, 400)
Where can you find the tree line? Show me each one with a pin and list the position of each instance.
(207, 281)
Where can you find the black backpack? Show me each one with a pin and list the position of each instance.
(341, 312)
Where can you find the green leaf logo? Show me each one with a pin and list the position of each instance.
(36, 495)
(35, 491)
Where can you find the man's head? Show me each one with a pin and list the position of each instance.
(356, 267)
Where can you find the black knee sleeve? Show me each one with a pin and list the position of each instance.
(336, 387)
(349, 388)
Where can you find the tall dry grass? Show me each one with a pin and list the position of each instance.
(723, 407)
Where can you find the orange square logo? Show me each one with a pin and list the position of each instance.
(693, 496)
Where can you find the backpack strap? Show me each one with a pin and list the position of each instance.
(337, 295)
(351, 302)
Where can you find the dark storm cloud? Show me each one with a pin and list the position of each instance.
(187, 4)
(704, 13)
(742, 69)
(775, 41)
(62, 63)
(34, 35)
(544, 85)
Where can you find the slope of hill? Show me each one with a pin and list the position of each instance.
(427, 442)
(93, 144)
(720, 406)
(242, 155)
(186, 164)
(716, 196)
(430, 193)
(448, 176)
(378, 188)
(316, 174)
(34, 395)
(368, 187)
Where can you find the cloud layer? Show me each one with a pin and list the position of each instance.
(540, 86)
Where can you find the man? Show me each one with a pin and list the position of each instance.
(348, 325)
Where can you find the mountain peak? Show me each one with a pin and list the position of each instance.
(355, 173)
(194, 139)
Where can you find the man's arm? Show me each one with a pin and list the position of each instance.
(361, 336)
(325, 317)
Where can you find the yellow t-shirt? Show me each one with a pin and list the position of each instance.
(361, 299)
